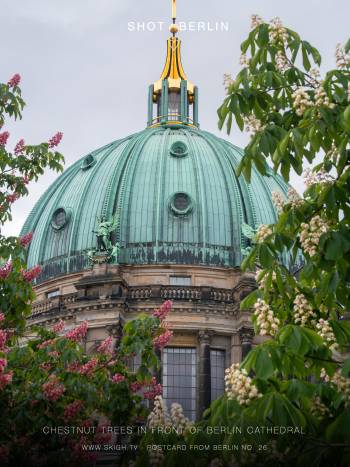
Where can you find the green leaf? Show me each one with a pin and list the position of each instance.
(263, 366)
(249, 301)
(266, 256)
(337, 245)
(306, 61)
(339, 430)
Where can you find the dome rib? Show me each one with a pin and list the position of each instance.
(136, 177)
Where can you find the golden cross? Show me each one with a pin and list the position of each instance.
(174, 10)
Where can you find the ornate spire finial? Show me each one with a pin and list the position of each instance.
(173, 10)
(173, 28)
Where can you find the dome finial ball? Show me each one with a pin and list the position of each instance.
(174, 28)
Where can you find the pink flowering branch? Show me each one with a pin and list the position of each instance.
(14, 81)
(55, 140)
(26, 239)
(4, 137)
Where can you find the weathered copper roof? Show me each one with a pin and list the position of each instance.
(177, 194)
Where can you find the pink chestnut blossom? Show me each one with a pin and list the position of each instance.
(5, 379)
(26, 239)
(58, 327)
(156, 390)
(163, 311)
(72, 410)
(73, 367)
(45, 344)
(55, 140)
(14, 81)
(2, 317)
(31, 274)
(89, 367)
(19, 147)
(4, 137)
(135, 386)
(105, 346)
(78, 333)
(12, 197)
(53, 354)
(3, 339)
(53, 389)
(5, 270)
(118, 378)
(161, 341)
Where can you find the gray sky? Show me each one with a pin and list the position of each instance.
(85, 74)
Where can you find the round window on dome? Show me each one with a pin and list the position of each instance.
(60, 218)
(179, 149)
(181, 204)
(88, 162)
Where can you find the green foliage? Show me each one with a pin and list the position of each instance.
(302, 372)
(42, 372)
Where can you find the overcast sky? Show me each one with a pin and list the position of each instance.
(85, 74)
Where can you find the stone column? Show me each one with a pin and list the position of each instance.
(115, 331)
(236, 349)
(158, 372)
(246, 336)
(204, 377)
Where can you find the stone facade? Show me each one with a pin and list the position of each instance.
(205, 314)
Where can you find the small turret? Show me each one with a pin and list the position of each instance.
(173, 99)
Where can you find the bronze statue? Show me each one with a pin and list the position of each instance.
(104, 231)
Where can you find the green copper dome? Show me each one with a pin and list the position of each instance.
(177, 195)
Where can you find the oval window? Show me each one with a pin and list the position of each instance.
(88, 162)
(181, 204)
(179, 149)
(60, 219)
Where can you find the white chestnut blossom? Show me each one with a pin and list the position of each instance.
(178, 419)
(311, 233)
(342, 59)
(311, 177)
(278, 200)
(294, 198)
(253, 125)
(243, 60)
(326, 332)
(264, 231)
(238, 385)
(159, 417)
(343, 386)
(282, 63)
(301, 101)
(277, 32)
(256, 20)
(228, 81)
(303, 311)
(318, 409)
(266, 321)
(321, 98)
(315, 75)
